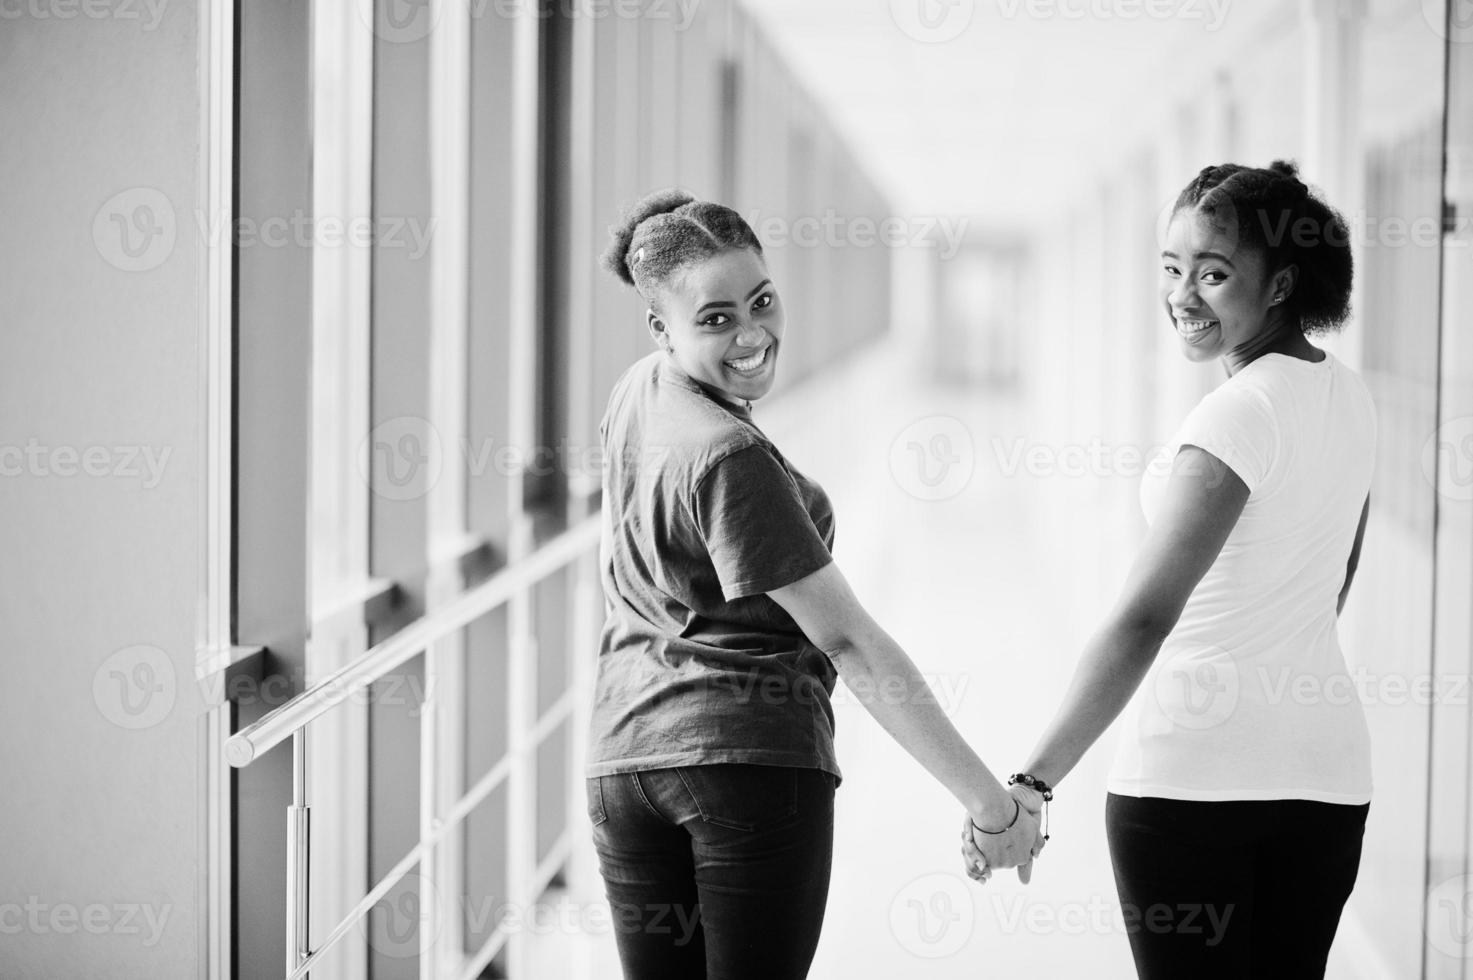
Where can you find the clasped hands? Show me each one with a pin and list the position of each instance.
(1015, 847)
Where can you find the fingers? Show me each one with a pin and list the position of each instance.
(972, 857)
(1025, 871)
(1030, 798)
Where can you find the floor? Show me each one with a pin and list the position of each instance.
(991, 580)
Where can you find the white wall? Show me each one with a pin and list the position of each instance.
(98, 818)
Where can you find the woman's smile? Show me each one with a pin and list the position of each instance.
(1194, 330)
(752, 365)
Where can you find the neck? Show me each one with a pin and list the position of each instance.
(711, 390)
(1280, 336)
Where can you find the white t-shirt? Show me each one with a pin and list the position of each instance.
(1249, 698)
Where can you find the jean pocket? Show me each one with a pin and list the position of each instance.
(596, 812)
(742, 797)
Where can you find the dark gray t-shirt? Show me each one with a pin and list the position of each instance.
(702, 517)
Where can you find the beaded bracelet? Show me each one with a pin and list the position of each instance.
(1040, 787)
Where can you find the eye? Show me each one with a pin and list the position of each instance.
(716, 320)
(1171, 270)
(763, 302)
(1209, 274)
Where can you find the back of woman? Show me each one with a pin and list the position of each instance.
(1253, 676)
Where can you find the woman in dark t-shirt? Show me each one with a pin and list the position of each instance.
(711, 770)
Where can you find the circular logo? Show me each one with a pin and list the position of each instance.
(1447, 459)
(1451, 20)
(394, 925)
(1197, 687)
(401, 459)
(932, 21)
(933, 458)
(135, 230)
(933, 916)
(135, 687)
(400, 21)
(1450, 917)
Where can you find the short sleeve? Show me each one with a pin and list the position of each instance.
(1239, 428)
(756, 530)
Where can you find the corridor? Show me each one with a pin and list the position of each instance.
(304, 347)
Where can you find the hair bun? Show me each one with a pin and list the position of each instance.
(616, 256)
(1289, 170)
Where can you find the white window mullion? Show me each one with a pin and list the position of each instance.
(213, 635)
(338, 571)
(442, 750)
(521, 379)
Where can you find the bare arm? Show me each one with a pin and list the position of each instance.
(1354, 562)
(1203, 501)
(887, 683)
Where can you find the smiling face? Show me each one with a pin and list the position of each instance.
(721, 321)
(1217, 293)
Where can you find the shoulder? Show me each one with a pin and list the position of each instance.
(1248, 397)
(671, 424)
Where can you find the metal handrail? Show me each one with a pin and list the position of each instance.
(291, 721)
(248, 744)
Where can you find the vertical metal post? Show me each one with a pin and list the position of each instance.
(298, 853)
(429, 823)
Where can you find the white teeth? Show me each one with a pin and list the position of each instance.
(1190, 327)
(750, 363)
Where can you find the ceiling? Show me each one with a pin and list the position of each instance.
(988, 107)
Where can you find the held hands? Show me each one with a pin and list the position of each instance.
(1015, 846)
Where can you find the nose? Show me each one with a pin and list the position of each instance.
(1183, 296)
(750, 336)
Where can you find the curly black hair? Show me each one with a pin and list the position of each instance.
(668, 230)
(1270, 208)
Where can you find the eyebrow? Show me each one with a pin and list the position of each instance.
(1200, 255)
(726, 304)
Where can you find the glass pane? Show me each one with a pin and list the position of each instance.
(1447, 457)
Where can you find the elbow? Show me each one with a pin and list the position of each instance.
(1145, 629)
(843, 653)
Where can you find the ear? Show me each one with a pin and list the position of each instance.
(657, 329)
(1284, 282)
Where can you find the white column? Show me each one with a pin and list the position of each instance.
(213, 632)
(1334, 159)
(521, 790)
(442, 730)
(337, 575)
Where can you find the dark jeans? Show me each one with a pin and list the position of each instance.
(718, 871)
(1238, 889)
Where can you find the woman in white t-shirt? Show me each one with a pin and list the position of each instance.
(1240, 788)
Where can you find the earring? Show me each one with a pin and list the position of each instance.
(1278, 299)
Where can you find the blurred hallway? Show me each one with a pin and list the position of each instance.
(304, 345)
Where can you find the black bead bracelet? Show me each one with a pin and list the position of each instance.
(1040, 787)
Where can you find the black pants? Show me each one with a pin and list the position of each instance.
(1239, 889)
(717, 871)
